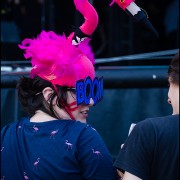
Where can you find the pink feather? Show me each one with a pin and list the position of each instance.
(122, 3)
(90, 16)
(54, 58)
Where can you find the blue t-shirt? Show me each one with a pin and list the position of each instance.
(58, 149)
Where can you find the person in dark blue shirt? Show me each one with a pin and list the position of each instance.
(151, 151)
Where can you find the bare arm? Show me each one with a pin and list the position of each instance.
(129, 176)
(120, 174)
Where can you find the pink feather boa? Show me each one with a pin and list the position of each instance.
(55, 59)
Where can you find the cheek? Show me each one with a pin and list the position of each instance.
(170, 92)
(71, 101)
(73, 106)
(70, 98)
(173, 94)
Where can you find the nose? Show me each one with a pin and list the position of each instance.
(91, 102)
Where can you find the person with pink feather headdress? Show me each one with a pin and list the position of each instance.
(54, 141)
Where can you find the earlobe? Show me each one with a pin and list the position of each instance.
(47, 93)
(169, 100)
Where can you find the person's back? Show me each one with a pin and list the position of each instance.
(55, 142)
(152, 149)
(165, 158)
(52, 150)
(153, 144)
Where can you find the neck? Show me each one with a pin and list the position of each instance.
(41, 116)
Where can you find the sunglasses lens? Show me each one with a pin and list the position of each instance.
(88, 90)
(95, 90)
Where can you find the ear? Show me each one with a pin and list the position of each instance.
(47, 92)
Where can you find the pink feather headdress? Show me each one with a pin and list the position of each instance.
(56, 59)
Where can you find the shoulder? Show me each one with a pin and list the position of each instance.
(83, 126)
(13, 126)
(77, 125)
(82, 132)
(89, 136)
(158, 121)
(164, 118)
(86, 130)
(9, 126)
(151, 128)
(8, 129)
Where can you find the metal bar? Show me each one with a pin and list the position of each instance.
(115, 77)
(134, 77)
(167, 54)
(137, 56)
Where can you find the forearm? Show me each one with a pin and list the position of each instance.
(129, 176)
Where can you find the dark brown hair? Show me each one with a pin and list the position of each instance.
(173, 71)
(31, 98)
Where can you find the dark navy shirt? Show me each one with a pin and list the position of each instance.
(58, 149)
(151, 152)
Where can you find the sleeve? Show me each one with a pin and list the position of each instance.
(3, 132)
(136, 155)
(94, 158)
